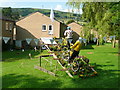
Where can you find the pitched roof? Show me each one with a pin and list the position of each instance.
(39, 13)
(75, 23)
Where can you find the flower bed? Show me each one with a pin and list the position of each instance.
(79, 66)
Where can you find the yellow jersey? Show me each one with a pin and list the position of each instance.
(77, 46)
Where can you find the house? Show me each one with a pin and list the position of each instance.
(79, 32)
(37, 25)
(7, 32)
(77, 28)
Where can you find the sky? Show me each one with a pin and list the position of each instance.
(42, 4)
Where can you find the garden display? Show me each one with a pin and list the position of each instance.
(79, 66)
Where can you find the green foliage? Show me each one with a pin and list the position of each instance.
(104, 17)
(7, 12)
(86, 34)
(16, 13)
(69, 21)
(101, 16)
(62, 16)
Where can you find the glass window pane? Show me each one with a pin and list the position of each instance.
(50, 27)
(6, 25)
(43, 27)
(11, 26)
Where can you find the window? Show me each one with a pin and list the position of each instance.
(6, 25)
(44, 28)
(50, 29)
(11, 26)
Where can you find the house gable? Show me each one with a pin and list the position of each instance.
(77, 30)
(7, 26)
(33, 23)
(75, 26)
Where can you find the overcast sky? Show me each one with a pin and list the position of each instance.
(42, 4)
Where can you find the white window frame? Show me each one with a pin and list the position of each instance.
(49, 28)
(46, 27)
(7, 26)
(11, 26)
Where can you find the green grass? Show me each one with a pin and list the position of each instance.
(18, 70)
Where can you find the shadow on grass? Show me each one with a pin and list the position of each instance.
(111, 52)
(27, 81)
(89, 46)
(104, 79)
(9, 56)
(104, 65)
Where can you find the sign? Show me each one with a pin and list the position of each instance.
(36, 41)
(6, 39)
(28, 40)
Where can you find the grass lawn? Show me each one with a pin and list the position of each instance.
(18, 70)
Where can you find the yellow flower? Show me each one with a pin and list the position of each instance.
(95, 72)
(81, 75)
(54, 37)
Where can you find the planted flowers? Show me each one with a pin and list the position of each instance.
(79, 66)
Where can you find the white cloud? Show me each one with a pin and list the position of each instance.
(33, 1)
(7, 3)
(75, 11)
(58, 7)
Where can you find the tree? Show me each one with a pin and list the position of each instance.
(73, 5)
(7, 12)
(102, 17)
